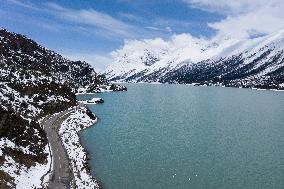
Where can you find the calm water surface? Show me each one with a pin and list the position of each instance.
(181, 137)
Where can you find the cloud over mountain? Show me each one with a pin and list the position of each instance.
(244, 18)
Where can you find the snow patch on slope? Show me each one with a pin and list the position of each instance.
(25, 177)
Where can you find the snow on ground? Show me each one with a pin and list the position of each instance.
(99, 89)
(4, 142)
(68, 132)
(29, 178)
(15, 100)
(91, 101)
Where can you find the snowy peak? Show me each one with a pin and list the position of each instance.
(149, 58)
(219, 61)
(152, 55)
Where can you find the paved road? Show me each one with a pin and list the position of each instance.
(61, 174)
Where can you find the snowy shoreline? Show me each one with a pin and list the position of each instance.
(69, 133)
(199, 85)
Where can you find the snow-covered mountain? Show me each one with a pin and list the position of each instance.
(257, 62)
(34, 82)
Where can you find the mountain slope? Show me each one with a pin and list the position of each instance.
(34, 82)
(21, 54)
(249, 63)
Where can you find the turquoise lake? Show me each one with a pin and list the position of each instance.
(182, 137)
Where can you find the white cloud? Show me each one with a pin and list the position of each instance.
(131, 17)
(244, 17)
(23, 4)
(166, 29)
(177, 48)
(169, 29)
(153, 28)
(92, 17)
(232, 7)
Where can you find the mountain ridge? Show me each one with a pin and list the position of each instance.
(254, 63)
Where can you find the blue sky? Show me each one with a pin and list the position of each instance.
(91, 29)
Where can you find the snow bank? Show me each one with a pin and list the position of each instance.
(99, 89)
(92, 101)
(68, 132)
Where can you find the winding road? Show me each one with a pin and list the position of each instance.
(61, 173)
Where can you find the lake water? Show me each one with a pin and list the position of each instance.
(181, 137)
